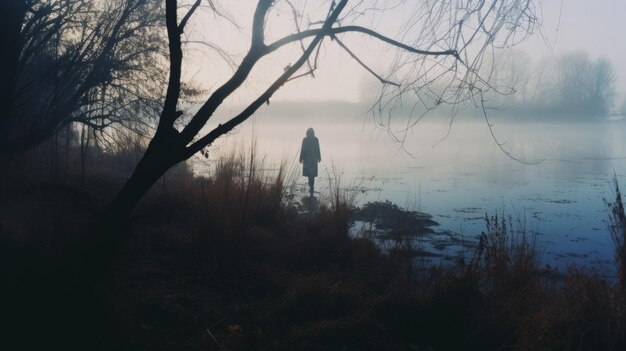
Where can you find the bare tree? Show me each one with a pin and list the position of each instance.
(444, 43)
(586, 87)
(97, 62)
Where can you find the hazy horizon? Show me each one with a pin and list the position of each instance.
(339, 78)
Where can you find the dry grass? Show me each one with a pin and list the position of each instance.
(506, 257)
(617, 225)
(227, 263)
(586, 313)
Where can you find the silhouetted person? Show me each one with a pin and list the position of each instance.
(309, 157)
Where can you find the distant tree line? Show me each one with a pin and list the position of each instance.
(572, 86)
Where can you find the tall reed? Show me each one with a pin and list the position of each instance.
(617, 226)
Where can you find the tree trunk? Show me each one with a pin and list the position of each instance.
(68, 144)
(82, 155)
(12, 15)
(160, 156)
(148, 171)
(113, 229)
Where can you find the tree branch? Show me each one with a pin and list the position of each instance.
(257, 50)
(356, 29)
(294, 12)
(168, 115)
(221, 52)
(381, 79)
(183, 22)
(263, 98)
(258, 23)
(92, 78)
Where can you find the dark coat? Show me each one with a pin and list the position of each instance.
(310, 156)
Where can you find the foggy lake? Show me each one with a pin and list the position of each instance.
(556, 188)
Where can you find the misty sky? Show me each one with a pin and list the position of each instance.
(593, 26)
(568, 25)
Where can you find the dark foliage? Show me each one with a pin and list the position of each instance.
(224, 263)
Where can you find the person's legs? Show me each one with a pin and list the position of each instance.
(311, 184)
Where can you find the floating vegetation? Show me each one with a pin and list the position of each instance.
(388, 217)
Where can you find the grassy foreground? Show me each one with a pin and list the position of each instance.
(228, 263)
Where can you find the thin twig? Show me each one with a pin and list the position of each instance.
(356, 58)
(213, 337)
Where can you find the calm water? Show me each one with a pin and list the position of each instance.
(558, 190)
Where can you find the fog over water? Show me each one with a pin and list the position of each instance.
(558, 190)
